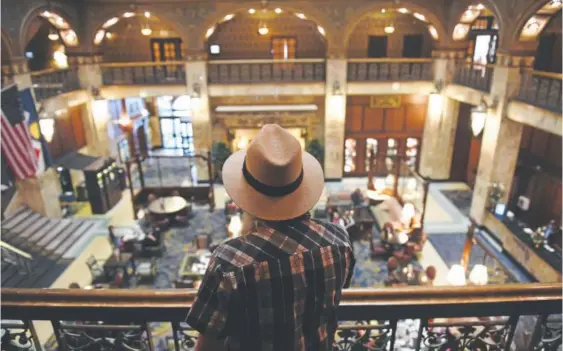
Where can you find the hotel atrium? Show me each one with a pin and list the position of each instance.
(437, 124)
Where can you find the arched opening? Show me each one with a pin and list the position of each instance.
(394, 32)
(480, 28)
(138, 36)
(544, 27)
(267, 33)
(47, 37)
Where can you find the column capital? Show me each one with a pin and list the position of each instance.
(195, 54)
(451, 54)
(18, 65)
(515, 60)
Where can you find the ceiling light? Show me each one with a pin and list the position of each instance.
(228, 17)
(252, 11)
(300, 15)
(278, 10)
(147, 14)
(480, 7)
(128, 14)
(99, 37)
(109, 35)
(46, 14)
(469, 16)
(419, 16)
(383, 10)
(433, 32)
(389, 29)
(146, 31)
(460, 31)
(53, 35)
(263, 30)
(110, 22)
(321, 30)
(403, 10)
(69, 37)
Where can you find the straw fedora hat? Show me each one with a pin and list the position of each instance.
(273, 179)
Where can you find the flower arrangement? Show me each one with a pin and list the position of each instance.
(496, 192)
(538, 236)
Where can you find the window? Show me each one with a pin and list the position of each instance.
(166, 49)
(411, 151)
(392, 152)
(283, 48)
(377, 46)
(349, 155)
(175, 122)
(412, 45)
(371, 149)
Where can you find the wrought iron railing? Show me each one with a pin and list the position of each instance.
(144, 73)
(474, 76)
(53, 82)
(541, 89)
(266, 71)
(421, 318)
(385, 70)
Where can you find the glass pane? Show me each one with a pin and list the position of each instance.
(164, 104)
(392, 152)
(411, 151)
(371, 149)
(349, 155)
(182, 103)
(167, 129)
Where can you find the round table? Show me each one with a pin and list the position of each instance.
(168, 205)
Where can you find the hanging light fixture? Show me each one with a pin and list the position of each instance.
(478, 118)
(389, 29)
(262, 27)
(53, 35)
(146, 31)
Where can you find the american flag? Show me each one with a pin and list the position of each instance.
(16, 140)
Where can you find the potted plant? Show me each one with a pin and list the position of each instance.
(496, 192)
(219, 153)
(316, 149)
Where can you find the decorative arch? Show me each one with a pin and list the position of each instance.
(207, 27)
(60, 19)
(139, 11)
(430, 18)
(535, 19)
(7, 44)
(475, 7)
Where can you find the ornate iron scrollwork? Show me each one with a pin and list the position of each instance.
(17, 336)
(549, 337)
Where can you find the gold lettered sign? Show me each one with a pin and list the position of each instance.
(385, 101)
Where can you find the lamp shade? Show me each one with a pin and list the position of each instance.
(479, 275)
(456, 275)
(47, 126)
(478, 119)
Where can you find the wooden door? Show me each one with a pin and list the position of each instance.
(462, 145)
(169, 49)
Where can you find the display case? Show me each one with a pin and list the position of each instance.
(102, 184)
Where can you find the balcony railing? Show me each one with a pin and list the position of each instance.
(385, 70)
(447, 318)
(144, 73)
(52, 82)
(541, 89)
(266, 71)
(474, 76)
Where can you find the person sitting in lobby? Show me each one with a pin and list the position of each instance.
(244, 302)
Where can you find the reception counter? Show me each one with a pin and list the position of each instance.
(542, 264)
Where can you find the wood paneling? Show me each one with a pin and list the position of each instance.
(395, 119)
(462, 145)
(354, 123)
(373, 119)
(77, 124)
(69, 133)
(416, 115)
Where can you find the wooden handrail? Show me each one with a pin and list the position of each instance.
(390, 60)
(545, 74)
(15, 249)
(231, 62)
(141, 64)
(172, 305)
(47, 71)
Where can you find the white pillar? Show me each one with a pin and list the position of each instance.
(196, 78)
(335, 117)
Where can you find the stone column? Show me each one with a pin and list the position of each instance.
(335, 117)
(196, 78)
(20, 73)
(501, 140)
(441, 122)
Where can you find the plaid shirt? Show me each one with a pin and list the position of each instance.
(276, 288)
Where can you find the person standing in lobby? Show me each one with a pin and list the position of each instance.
(277, 286)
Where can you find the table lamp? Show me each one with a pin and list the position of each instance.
(456, 275)
(479, 275)
(407, 214)
(235, 226)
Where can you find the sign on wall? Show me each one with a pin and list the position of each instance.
(385, 101)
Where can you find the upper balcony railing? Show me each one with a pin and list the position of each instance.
(474, 76)
(144, 73)
(389, 70)
(266, 71)
(541, 89)
(446, 318)
(52, 82)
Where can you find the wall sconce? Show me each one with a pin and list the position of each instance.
(47, 126)
(195, 97)
(336, 90)
(479, 115)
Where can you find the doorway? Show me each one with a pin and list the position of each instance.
(377, 46)
(412, 45)
(467, 149)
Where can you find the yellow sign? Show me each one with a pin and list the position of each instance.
(385, 101)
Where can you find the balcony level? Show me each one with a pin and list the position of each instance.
(508, 317)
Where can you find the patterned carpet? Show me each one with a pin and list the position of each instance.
(460, 198)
